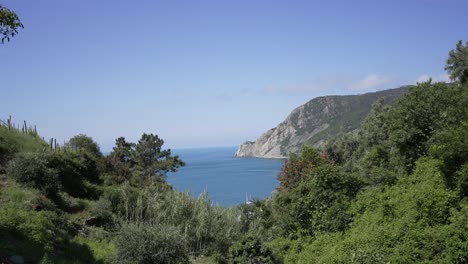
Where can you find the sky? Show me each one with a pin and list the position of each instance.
(210, 73)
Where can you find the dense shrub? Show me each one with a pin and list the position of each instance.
(114, 170)
(408, 222)
(205, 227)
(102, 211)
(251, 250)
(84, 143)
(451, 146)
(32, 170)
(318, 204)
(75, 170)
(151, 244)
(292, 173)
(49, 172)
(33, 234)
(13, 141)
(421, 114)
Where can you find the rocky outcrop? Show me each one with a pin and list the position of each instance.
(314, 122)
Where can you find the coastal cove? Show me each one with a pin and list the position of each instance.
(228, 179)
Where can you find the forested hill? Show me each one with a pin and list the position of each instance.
(315, 121)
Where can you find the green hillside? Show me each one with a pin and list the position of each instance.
(344, 113)
(320, 119)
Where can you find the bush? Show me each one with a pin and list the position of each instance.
(45, 228)
(251, 250)
(13, 141)
(84, 143)
(103, 212)
(32, 170)
(151, 244)
(74, 170)
(292, 173)
(101, 246)
(318, 204)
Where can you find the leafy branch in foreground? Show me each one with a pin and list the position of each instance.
(9, 23)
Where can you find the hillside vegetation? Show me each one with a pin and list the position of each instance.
(394, 192)
(312, 123)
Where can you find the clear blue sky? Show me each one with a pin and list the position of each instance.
(210, 73)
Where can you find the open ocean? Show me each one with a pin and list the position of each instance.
(227, 179)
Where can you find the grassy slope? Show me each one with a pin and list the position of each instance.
(20, 141)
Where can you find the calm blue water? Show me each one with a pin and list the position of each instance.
(228, 179)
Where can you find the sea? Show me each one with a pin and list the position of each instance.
(229, 180)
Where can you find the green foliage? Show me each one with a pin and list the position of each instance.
(251, 250)
(151, 244)
(32, 170)
(457, 63)
(318, 204)
(139, 164)
(294, 168)
(151, 160)
(205, 227)
(451, 146)
(118, 165)
(123, 150)
(102, 248)
(391, 139)
(33, 234)
(103, 212)
(84, 143)
(13, 141)
(9, 23)
(49, 172)
(407, 222)
(423, 112)
(342, 150)
(75, 170)
(257, 219)
(461, 179)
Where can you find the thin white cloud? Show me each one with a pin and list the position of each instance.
(371, 81)
(438, 78)
(335, 83)
(224, 97)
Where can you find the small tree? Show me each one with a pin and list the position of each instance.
(151, 160)
(292, 173)
(457, 63)
(83, 142)
(123, 150)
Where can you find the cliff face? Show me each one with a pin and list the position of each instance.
(315, 121)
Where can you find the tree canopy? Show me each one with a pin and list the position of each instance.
(85, 143)
(145, 160)
(457, 63)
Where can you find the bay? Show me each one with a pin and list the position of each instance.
(228, 179)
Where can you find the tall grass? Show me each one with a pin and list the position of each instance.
(207, 228)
